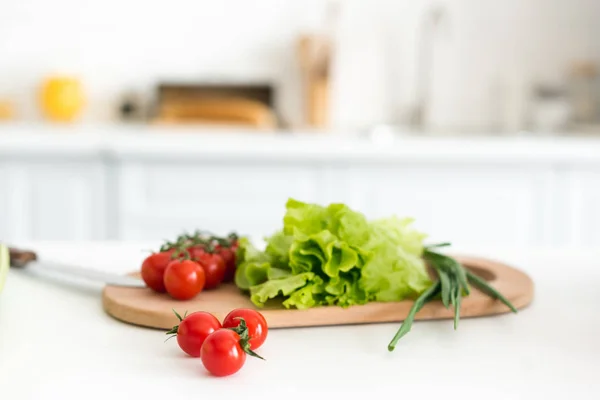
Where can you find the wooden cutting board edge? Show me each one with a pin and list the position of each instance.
(128, 305)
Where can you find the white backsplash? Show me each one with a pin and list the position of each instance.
(116, 46)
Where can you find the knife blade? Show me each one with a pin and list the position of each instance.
(29, 259)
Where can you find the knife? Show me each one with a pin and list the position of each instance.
(27, 258)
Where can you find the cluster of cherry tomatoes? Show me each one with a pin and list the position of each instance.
(191, 264)
(221, 347)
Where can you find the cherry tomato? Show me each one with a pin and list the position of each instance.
(256, 322)
(233, 241)
(234, 248)
(193, 330)
(222, 353)
(195, 251)
(228, 256)
(214, 268)
(153, 270)
(184, 279)
(234, 244)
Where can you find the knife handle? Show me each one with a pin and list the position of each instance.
(20, 258)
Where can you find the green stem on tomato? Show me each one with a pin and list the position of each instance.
(242, 331)
(173, 331)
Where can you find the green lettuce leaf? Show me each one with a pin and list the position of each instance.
(276, 273)
(271, 289)
(348, 225)
(253, 265)
(395, 269)
(334, 255)
(397, 230)
(306, 255)
(310, 295)
(324, 254)
(278, 247)
(304, 218)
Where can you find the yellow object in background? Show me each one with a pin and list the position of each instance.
(7, 110)
(62, 98)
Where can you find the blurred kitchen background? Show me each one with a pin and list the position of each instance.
(137, 120)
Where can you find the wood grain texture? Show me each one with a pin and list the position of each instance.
(146, 308)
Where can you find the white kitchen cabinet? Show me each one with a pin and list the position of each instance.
(145, 199)
(478, 203)
(159, 199)
(52, 199)
(486, 204)
(155, 199)
(152, 183)
(582, 206)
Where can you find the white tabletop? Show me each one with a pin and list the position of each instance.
(56, 342)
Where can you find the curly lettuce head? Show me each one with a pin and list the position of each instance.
(334, 256)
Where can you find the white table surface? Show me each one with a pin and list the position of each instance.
(56, 342)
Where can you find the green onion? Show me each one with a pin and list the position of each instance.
(490, 291)
(419, 303)
(445, 282)
(457, 299)
(453, 281)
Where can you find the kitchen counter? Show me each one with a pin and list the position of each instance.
(236, 144)
(56, 342)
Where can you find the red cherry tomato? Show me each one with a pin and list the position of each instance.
(214, 268)
(233, 241)
(195, 251)
(228, 256)
(193, 330)
(222, 354)
(256, 322)
(153, 270)
(184, 279)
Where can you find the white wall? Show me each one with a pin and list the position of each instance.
(119, 45)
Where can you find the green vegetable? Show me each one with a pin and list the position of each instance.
(333, 256)
(490, 291)
(419, 303)
(451, 285)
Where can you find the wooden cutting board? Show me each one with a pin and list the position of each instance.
(146, 308)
